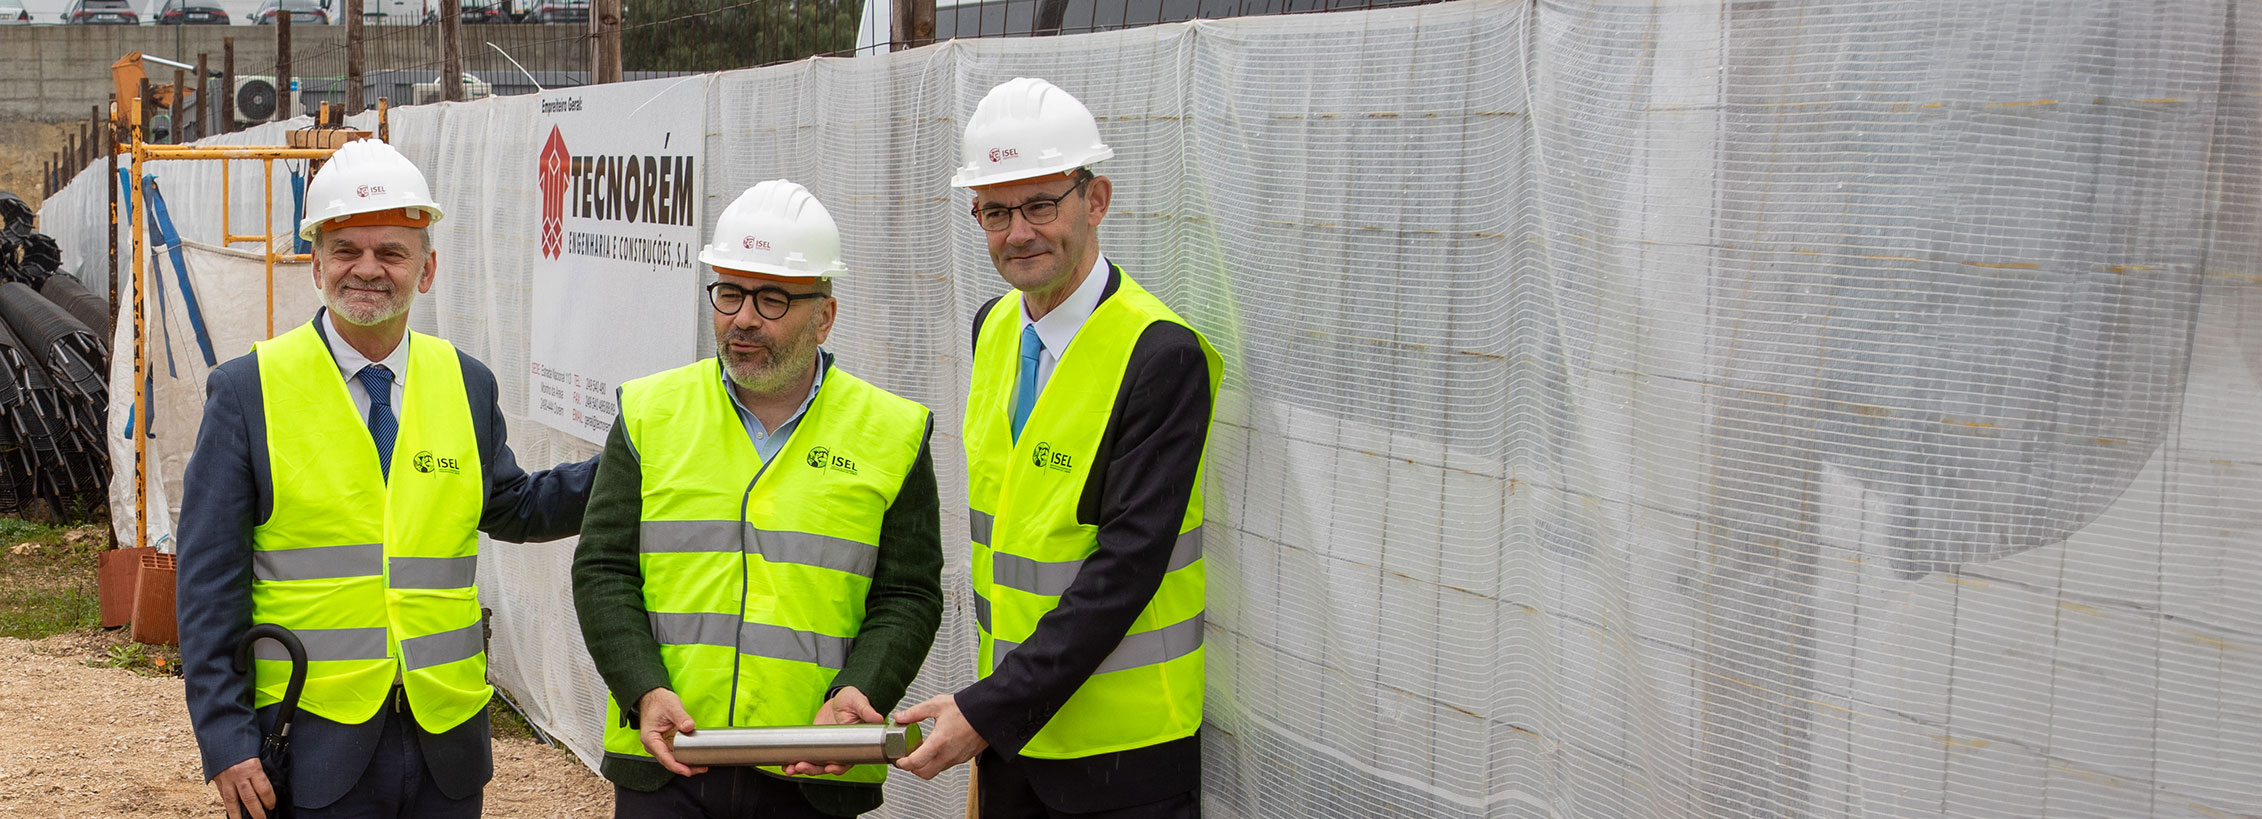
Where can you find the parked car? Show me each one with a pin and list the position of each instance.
(12, 13)
(496, 12)
(302, 12)
(101, 13)
(191, 12)
(559, 11)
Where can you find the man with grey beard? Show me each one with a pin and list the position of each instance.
(340, 480)
(763, 545)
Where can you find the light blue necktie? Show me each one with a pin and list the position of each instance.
(378, 382)
(1025, 393)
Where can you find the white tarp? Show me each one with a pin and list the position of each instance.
(222, 278)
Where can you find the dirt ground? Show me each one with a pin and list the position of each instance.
(88, 741)
(24, 145)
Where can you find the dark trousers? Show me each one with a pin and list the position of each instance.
(720, 793)
(1005, 794)
(397, 783)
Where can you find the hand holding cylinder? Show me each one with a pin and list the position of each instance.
(849, 707)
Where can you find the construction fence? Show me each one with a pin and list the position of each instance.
(1741, 409)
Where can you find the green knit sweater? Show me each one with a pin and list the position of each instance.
(901, 612)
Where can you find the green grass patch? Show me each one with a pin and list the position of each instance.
(47, 579)
(505, 723)
(139, 658)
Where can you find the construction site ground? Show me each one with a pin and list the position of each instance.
(99, 725)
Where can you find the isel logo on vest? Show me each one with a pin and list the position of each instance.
(425, 462)
(821, 457)
(1045, 457)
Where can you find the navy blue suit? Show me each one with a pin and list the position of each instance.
(227, 491)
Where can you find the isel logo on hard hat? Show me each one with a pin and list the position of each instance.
(756, 244)
(1002, 154)
(367, 191)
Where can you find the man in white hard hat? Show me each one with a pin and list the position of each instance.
(763, 546)
(1085, 423)
(341, 478)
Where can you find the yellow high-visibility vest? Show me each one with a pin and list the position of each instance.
(755, 574)
(1028, 544)
(376, 577)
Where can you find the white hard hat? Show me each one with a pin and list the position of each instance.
(1024, 129)
(776, 228)
(370, 180)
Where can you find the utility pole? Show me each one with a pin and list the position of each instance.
(451, 50)
(604, 41)
(354, 66)
(285, 106)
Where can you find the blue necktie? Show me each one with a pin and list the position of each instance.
(378, 382)
(1025, 393)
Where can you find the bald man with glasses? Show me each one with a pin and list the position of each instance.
(765, 546)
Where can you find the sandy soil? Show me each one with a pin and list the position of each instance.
(87, 741)
(24, 145)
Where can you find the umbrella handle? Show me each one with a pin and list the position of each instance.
(296, 649)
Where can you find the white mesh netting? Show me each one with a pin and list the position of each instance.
(1647, 409)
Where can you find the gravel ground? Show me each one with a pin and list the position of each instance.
(87, 741)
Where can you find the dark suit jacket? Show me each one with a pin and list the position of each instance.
(1141, 480)
(227, 491)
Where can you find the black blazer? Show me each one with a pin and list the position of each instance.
(227, 490)
(1141, 480)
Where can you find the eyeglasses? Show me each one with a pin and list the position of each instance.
(770, 302)
(996, 218)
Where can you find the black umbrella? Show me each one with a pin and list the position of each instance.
(275, 749)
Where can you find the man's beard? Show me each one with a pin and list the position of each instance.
(363, 314)
(765, 374)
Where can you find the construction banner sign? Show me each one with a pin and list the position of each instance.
(616, 273)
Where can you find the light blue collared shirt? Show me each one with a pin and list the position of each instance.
(766, 442)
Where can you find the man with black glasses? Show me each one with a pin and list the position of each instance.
(1085, 423)
(762, 545)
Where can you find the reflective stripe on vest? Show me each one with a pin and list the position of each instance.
(755, 574)
(1028, 545)
(370, 607)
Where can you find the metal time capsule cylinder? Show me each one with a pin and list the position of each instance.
(877, 743)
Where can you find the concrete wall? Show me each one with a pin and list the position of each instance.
(56, 73)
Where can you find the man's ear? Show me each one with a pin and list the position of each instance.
(431, 264)
(1097, 194)
(825, 316)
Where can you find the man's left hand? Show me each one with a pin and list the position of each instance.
(953, 741)
(849, 707)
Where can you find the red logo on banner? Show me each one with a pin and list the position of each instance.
(550, 173)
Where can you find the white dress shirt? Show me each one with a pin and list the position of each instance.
(1059, 327)
(350, 362)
